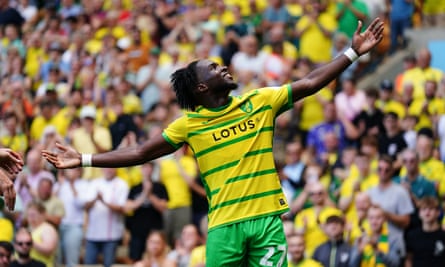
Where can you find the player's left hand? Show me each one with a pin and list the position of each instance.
(362, 42)
(67, 158)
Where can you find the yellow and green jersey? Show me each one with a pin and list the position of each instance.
(233, 148)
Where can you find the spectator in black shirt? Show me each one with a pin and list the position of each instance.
(146, 203)
(23, 245)
(9, 15)
(426, 245)
(335, 251)
(370, 120)
(392, 142)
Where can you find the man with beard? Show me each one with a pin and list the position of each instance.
(23, 245)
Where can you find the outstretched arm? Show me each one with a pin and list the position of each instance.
(320, 77)
(70, 158)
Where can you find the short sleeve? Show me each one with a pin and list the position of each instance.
(404, 204)
(176, 132)
(280, 98)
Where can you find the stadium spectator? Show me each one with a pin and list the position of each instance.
(54, 207)
(426, 244)
(184, 245)
(393, 199)
(106, 198)
(309, 221)
(156, 251)
(336, 251)
(145, 207)
(6, 251)
(91, 137)
(27, 182)
(70, 188)
(174, 173)
(44, 236)
(377, 244)
(296, 252)
(22, 246)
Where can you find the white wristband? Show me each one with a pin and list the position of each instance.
(351, 54)
(87, 160)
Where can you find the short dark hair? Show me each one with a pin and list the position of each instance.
(184, 81)
(335, 219)
(7, 246)
(386, 158)
(372, 92)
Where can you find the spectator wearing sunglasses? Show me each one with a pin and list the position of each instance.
(23, 246)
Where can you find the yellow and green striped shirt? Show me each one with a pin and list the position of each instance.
(233, 147)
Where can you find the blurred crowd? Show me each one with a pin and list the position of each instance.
(363, 168)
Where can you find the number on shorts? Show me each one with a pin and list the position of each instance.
(270, 252)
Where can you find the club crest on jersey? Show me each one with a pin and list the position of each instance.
(247, 106)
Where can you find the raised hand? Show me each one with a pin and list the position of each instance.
(365, 41)
(10, 161)
(7, 189)
(67, 158)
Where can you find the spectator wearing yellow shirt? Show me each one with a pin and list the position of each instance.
(379, 247)
(296, 252)
(174, 171)
(357, 224)
(357, 182)
(428, 109)
(14, 138)
(198, 255)
(276, 39)
(91, 138)
(387, 100)
(45, 118)
(423, 72)
(310, 220)
(315, 30)
(6, 226)
(311, 108)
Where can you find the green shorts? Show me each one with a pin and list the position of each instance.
(256, 242)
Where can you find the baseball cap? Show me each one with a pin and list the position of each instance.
(88, 112)
(386, 85)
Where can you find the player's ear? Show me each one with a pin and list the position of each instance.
(202, 88)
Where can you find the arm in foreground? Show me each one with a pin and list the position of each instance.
(7, 189)
(68, 157)
(10, 161)
(320, 77)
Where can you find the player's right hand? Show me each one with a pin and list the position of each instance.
(7, 189)
(67, 158)
(10, 161)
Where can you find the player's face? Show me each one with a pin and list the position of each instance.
(216, 77)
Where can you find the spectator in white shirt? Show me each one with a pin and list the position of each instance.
(70, 190)
(105, 226)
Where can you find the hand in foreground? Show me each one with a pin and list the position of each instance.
(365, 41)
(10, 161)
(7, 189)
(67, 158)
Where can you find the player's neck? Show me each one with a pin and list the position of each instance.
(430, 227)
